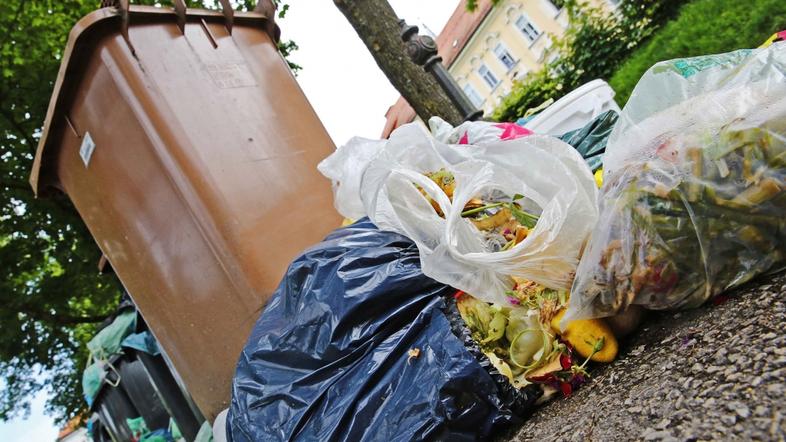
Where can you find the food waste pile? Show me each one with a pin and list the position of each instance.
(717, 372)
(522, 338)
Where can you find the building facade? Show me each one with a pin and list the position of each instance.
(502, 44)
(513, 41)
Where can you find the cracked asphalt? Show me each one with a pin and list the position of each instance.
(713, 373)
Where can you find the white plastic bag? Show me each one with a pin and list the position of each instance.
(346, 165)
(693, 198)
(478, 133)
(344, 168)
(553, 178)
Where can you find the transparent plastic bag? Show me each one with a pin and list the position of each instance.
(692, 202)
(551, 178)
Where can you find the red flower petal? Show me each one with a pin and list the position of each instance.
(566, 388)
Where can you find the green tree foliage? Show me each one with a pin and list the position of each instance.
(51, 295)
(703, 27)
(594, 45)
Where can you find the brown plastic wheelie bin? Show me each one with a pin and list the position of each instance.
(190, 153)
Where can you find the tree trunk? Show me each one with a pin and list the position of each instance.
(377, 25)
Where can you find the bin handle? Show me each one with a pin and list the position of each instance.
(180, 11)
(267, 7)
(122, 7)
(229, 14)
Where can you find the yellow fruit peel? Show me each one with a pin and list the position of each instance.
(583, 334)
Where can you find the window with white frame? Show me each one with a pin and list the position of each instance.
(488, 76)
(558, 4)
(504, 57)
(473, 95)
(525, 25)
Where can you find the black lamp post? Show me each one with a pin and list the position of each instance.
(422, 49)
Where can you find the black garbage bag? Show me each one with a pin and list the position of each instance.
(329, 358)
(591, 139)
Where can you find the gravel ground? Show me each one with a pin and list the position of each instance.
(713, 373)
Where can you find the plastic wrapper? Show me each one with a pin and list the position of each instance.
(692, 203)
(357, 344)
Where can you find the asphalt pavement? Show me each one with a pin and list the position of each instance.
(713, 373)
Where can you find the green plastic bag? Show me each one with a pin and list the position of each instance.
(137, 426)
(157, 436)
(143, 342)
(174, 430)
(590, 141)
(107, 341)
(103, 345)
(92, 378)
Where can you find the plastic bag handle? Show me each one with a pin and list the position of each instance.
(106, 379)
(91, 359)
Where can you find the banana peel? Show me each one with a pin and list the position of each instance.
(493, 221)
(584, 333)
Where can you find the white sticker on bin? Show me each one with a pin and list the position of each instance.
(87, 148)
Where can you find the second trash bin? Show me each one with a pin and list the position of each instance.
(190, 153)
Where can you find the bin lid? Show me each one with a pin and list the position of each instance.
(80, 41)
(575, 109)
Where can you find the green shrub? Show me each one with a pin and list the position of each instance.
(534, 90)
(594, 45)
(703, 27)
